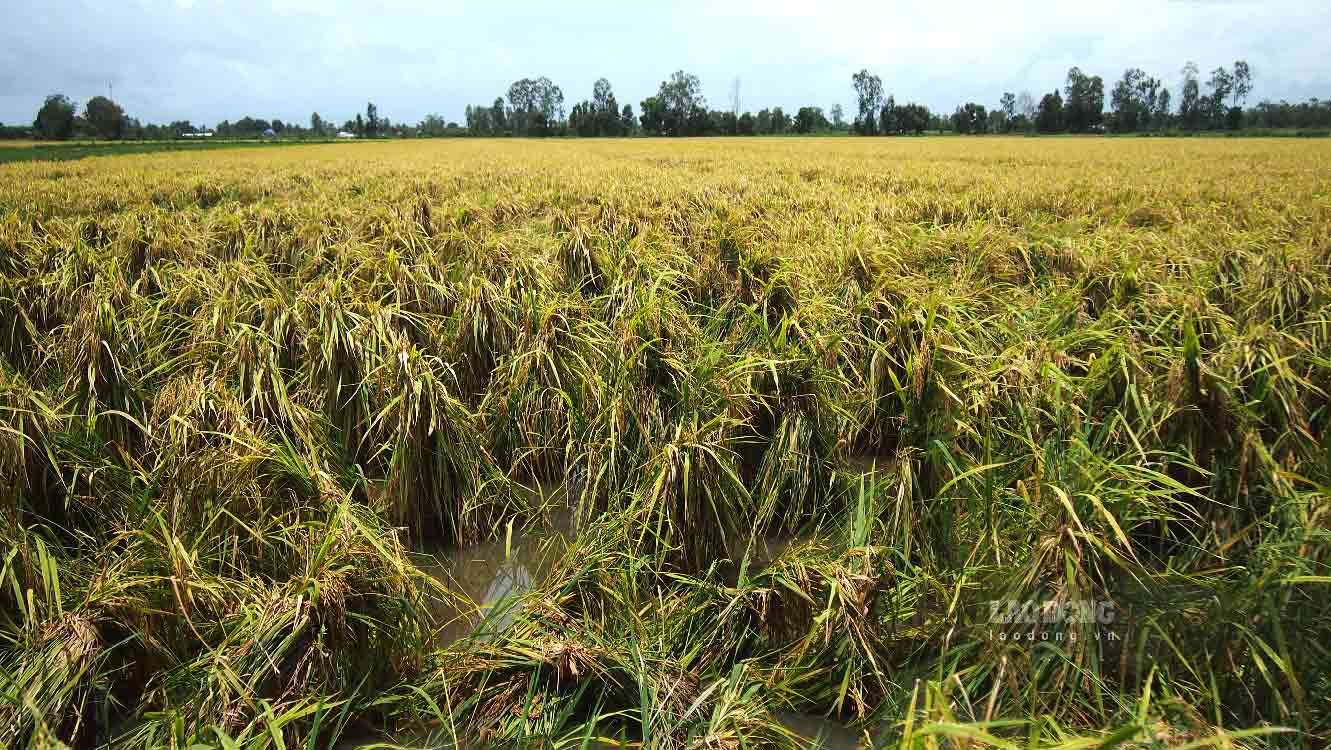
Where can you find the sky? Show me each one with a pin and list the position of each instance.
(208, 60)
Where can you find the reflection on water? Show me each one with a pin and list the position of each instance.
(763, 550)
(487, 579)
(869, 466)
(757, 553)
(820, 732)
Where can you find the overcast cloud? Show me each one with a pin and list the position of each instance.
(207, 60)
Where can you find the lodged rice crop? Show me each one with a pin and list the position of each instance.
(956, 443)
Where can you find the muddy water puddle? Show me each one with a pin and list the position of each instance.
(493, 576)
(821, 733)
(488, 580)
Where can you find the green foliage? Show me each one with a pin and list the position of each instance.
(106, 117)
(55, 120)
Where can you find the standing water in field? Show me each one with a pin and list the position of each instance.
(491, 576)
(818, 732)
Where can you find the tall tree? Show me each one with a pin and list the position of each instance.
(653, 115)
(745, 125)
(478, 120)
(1008, 106)
(1083, 101)
(1026, 106)
(1221, 84)
(55, 120)
(681, 108)
(1132, 100)
(434, 125)
(887, 119)
(1162, 112)
(869, 96)
(609, 118)
(1190, 106)
(371, 120)
(911, 118)
(1049, 117)
(105, 116)
(1149, 90)
(316, 124)
(762, 122)
(521, 105)
(970, 118)
(602, 93)
(838, 117)
(1242, 82)
(582, 120)
(535, 106)
(604, 110)
(810, 119)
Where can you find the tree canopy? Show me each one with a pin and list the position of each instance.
(1137, 102)
(55, 120)
(105, 116)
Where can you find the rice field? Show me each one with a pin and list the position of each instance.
(930, 443)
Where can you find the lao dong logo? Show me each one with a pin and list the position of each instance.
(1015, 620)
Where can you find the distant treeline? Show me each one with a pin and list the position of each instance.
(59, 119)
(535, 107)
(1138, 102)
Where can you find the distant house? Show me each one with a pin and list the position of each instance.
(269, 133)
(197, 135)
(345, 134)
